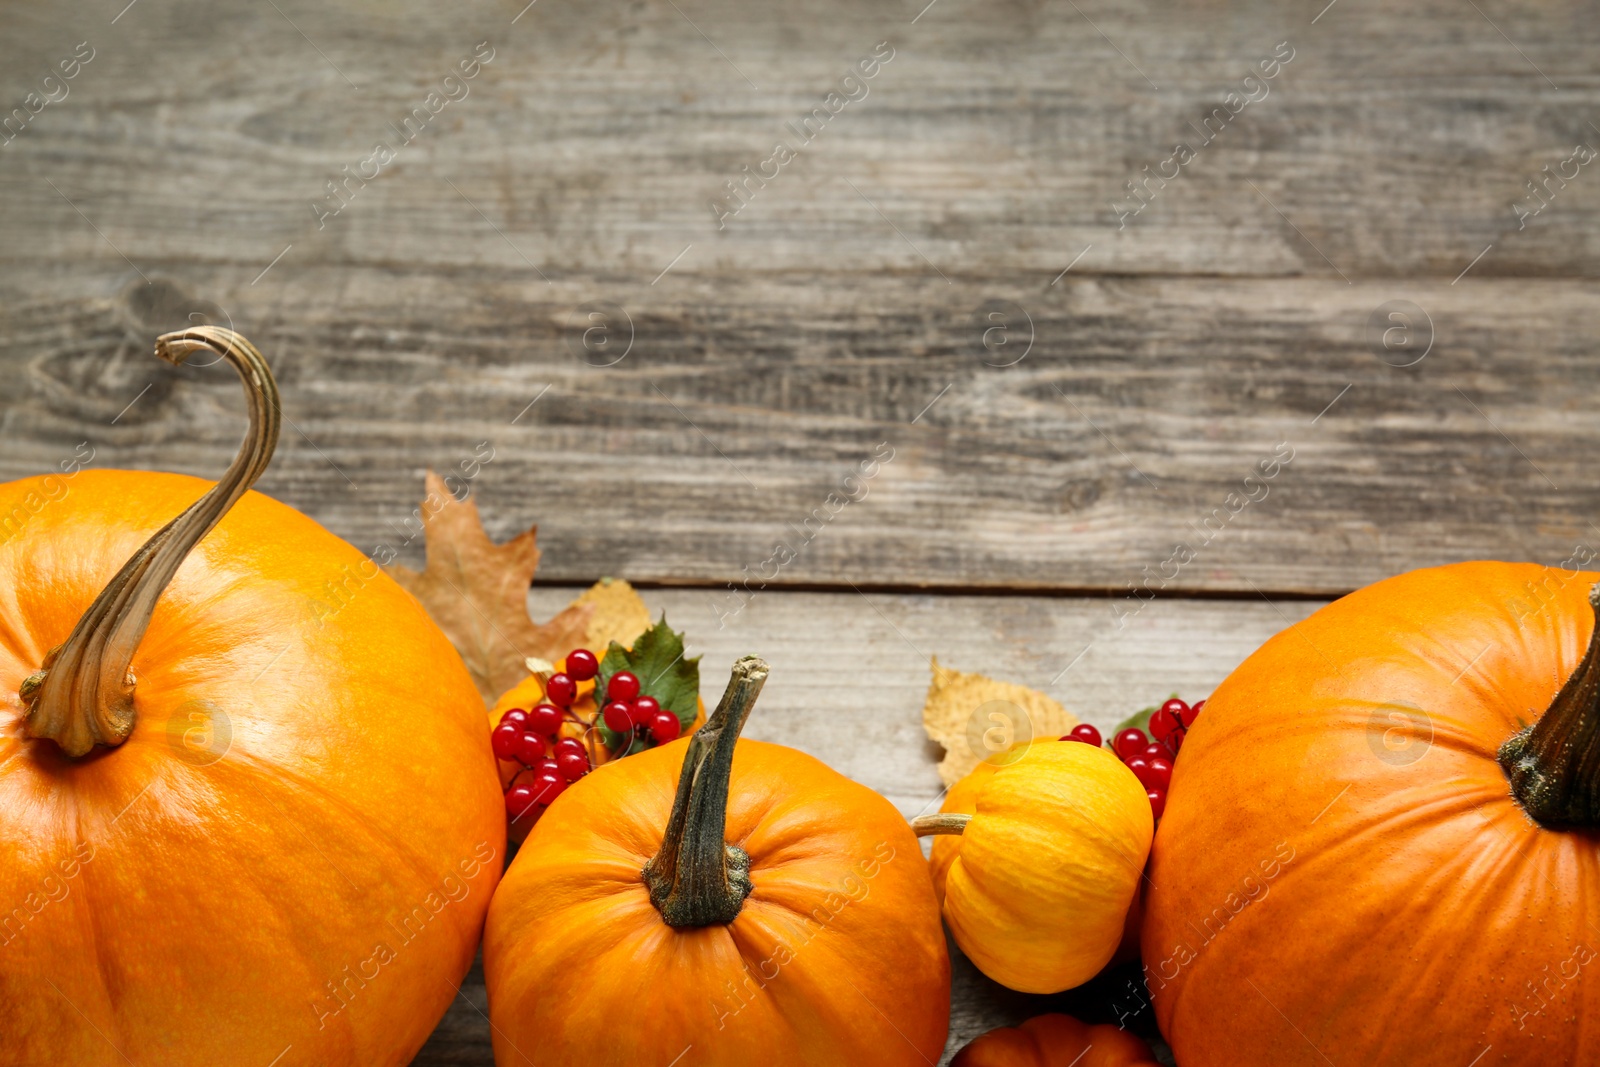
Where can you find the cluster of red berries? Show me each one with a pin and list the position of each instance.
(1149, 757)
(532, 737)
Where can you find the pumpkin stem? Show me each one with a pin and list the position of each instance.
(83, 696)
(942, 823)
(1554, 765)
(698, 879)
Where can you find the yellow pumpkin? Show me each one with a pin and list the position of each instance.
(1038, 862)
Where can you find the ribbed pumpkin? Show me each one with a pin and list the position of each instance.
(1380, 845)
(721, 903)
(1052, 843)
(1055, 1041)
(239, 826)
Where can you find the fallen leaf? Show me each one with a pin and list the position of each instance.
(619, 615)
(977, 718)
(477, 593)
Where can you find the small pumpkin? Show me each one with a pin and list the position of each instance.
(1056, 1041)
(1379, 846)
(732, 897)
(1038, 860)
(241, 825)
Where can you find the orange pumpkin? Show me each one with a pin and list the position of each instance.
(1056, 1041)
(239, 827)
(1038, 862)
(1344, 872)
(731, 897)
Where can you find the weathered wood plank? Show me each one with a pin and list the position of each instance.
(849, 673)
(1130, 427)
(997, 138)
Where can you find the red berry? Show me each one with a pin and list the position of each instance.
(530, 748)
(574, 765)
(645, 709)
(1193, 713)
(1163, 722)
(572, 746)
(516, 716)
(1176, 740)
(1175, 707)
(561, 689)
(624, 685)
(1159, 774)
(619, 717)
(582, 665)
(545, 719)
(664, 726)
(520, 800)
(547, 786)
(1086, 733)
(1139, 766)
(1158, 801)
(1156, 750)
(504, 741)
(1130, 743)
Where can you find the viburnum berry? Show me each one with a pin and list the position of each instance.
(561, 689)
(582, 664)
(1158, 774)
(520, 799)
(618, 717)
(570, 746)
(1193, 713)
(1158, 801)
(504, 740)
(518, 717)
(574, 765)
(1086, 733)
(546, 768)
(548, 786)
(664, 726)
(1165, 719)
(1156, 750)
(645, 709)
(1139, 766)
(624, 685)
(545, 719)
(530, 748)
(1129, 743)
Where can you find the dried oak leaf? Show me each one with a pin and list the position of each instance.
(977, 718)
(619, 615)
(477, 593)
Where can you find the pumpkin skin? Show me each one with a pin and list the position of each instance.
(839, 936)
(1056, 1041)
(1338, 880)
(1038, 888)
(202, 902)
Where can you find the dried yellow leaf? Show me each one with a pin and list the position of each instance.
(978, 718)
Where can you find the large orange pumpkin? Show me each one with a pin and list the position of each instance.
(238, 827)
(1055, 1041)
(721, 903)
(1345, 874)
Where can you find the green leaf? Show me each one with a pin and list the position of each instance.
(664, 672)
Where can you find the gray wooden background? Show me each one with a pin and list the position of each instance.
(1383, 265)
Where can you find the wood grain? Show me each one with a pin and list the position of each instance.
(1141, 406)
(849, 673)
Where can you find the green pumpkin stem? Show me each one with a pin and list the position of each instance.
(83, 695)
(698, 879)
(1554, 765)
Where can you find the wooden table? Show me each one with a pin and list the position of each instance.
(1347, 263)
